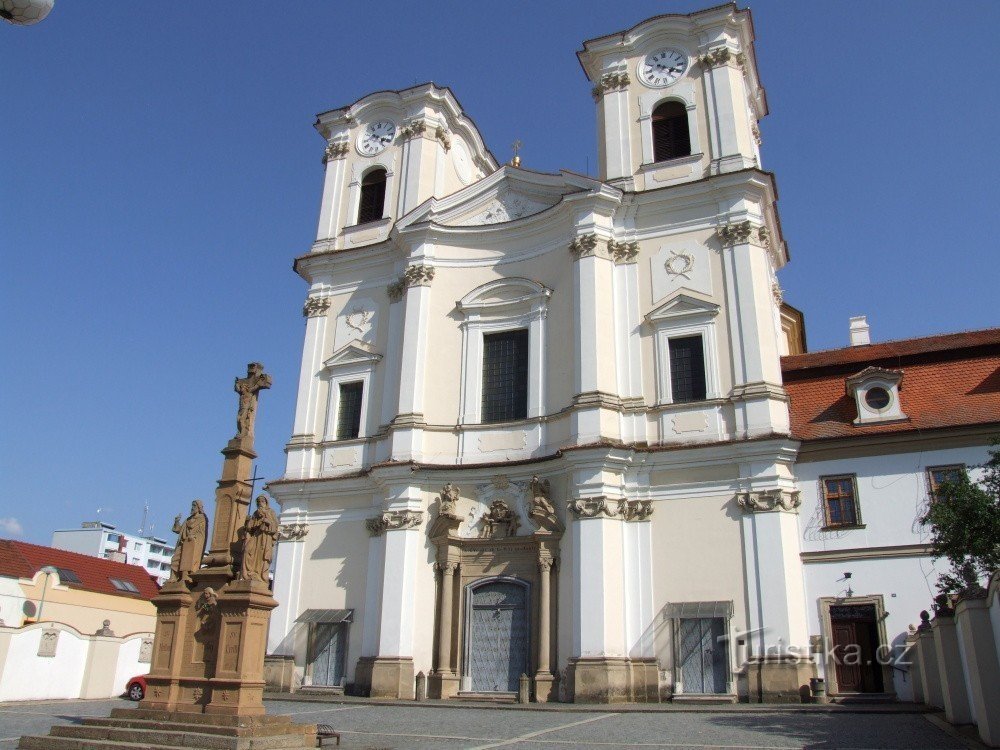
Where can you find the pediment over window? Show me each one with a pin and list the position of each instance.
(682, 307)
(506, 195)
(504, 295)
(352, 354)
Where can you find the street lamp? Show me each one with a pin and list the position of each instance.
(48, 570)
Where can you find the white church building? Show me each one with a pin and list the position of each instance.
(541, 425)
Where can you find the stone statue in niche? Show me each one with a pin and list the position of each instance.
(499, 522)
(542, 511)
(260, 532)
(192, 536)
(449, 501)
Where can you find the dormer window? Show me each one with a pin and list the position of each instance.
(372, 203)
(876, 395)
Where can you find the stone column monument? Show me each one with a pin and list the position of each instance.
(212, 616)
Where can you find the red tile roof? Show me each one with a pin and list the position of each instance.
(948, 381)
(23, 560)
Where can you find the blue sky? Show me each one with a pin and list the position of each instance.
(160, 171)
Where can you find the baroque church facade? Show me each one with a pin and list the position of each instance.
(541, 428)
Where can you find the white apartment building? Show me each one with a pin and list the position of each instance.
(100, 539)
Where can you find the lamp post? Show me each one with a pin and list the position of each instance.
(48, 570)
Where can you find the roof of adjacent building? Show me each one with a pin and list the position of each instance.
(951, 380)
(23, 560)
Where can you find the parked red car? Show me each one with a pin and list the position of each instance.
(136, 688)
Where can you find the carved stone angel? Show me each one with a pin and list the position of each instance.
(542, 511)
(260, 532)
(192, 536)
(449, 501)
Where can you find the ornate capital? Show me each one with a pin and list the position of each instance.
(755, 129)
(777, 292)
(741, 233)
(723, 56)
(585, 245)
(335, 151)
(769, 500)
(545, 564)
(448, 568)
(623, 252)
(393, 520)
(638, 510)
(315, 306)
(442, 135)
(292, 531)
(610, 82)
(594, 507)
(412, 276)
(413, 129)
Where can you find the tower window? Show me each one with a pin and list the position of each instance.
(670, 132)
(687, 369)
(349, 410)
(505, 376)
(372, 196)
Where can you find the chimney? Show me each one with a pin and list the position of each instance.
(860, 331)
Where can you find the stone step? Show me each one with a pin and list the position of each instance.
(488, 697)
(268, 730)
(75, 743)
(174, 737)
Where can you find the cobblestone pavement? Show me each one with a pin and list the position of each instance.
(385, 727)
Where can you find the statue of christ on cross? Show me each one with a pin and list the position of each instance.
(248, 388)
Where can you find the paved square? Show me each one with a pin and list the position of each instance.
(383, 727)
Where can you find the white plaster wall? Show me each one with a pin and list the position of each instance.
(892, 495)
(11, 602)
(27, 676)
(129, 665)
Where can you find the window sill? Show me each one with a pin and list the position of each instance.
(844, 527)
(677, 160)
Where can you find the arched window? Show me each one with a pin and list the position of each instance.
(372, 202)
(670, 132)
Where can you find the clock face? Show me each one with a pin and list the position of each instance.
(375, 137)
(663, 67)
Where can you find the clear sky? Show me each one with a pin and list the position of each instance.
(159, 172)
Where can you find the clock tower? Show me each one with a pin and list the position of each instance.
(678, 98)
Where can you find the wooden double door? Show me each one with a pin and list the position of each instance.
(855, 636)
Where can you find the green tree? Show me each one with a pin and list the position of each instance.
(964, 518)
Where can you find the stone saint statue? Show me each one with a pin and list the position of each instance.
(542, 511)
(260, 532)
(192, 536)
(449, 501)
(248, 388)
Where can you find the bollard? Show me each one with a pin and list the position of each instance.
(524, 689)
(817, 686)
(421, 692)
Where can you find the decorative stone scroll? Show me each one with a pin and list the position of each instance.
(393, 520)
(610, 82)
(412, 276)
(335, 151)
(623, 252)
(412, 130)
(596, 507)
(769, 500)
(741, 233)
(585, 245)
(442, 135)
(315, 306)
(292, 532)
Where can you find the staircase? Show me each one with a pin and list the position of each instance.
(140, 729)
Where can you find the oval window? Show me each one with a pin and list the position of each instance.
(877, 398)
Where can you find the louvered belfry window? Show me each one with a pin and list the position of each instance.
(505, 376)
(687, 369)
(349, 411)
(372, 196)
(670, 132)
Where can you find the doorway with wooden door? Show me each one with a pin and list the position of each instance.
(854, 648)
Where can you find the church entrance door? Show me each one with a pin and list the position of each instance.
(702, 655)
(855, 646)
(499, 636)
(329, 643)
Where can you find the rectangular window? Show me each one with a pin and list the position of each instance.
(505, 376)
(349, 410)
(938, 475)
(840, 500)
(687, 369)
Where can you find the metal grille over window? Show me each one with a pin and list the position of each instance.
(372, 202)
(841, 505)
(670, 132)
(349, 411)
(505, 376)
(687, 369)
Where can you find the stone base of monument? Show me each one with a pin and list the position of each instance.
(150, 730)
